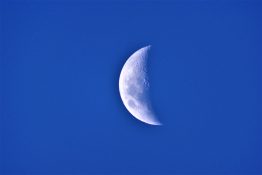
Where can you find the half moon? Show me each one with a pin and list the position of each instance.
(134, 87)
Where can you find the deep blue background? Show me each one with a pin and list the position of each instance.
(60, 107)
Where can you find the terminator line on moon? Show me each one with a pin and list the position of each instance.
(134, 87)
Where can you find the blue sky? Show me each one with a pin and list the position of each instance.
(61, 111)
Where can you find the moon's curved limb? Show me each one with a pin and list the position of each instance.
(134, 87)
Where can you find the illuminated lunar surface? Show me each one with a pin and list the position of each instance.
(134, 87)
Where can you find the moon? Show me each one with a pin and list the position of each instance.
(134, 87)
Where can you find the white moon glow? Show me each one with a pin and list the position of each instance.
(134, 87)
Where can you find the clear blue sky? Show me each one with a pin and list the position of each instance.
(61, 111)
